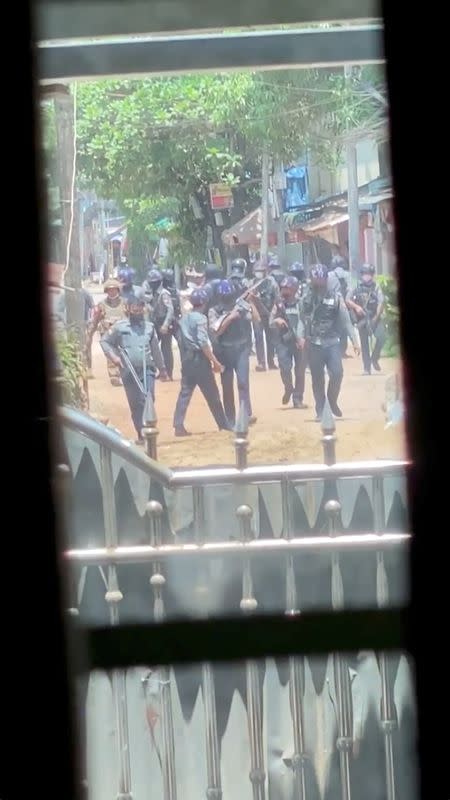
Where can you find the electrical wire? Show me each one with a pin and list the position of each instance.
(72, 187)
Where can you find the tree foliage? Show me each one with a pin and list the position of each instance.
(153, 145)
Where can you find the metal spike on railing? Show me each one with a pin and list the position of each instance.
(254, 691)
(341, 668)
(149, 429)
(388, 710)
(154, 512)
(241, 440)
(113, 597)
(328, 426)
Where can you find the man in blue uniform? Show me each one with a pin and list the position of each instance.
(198, 364)
(230, 326)
(323, 316)
(366, 301)
(237, 276)
(162, 314)
(284, 320)
(132, 345)
(339, 280)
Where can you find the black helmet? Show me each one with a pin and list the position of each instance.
(239, 266)
(367, 269)
(126, 275)
(168, 277)
(154, 276)
(338, 261)
(297, 270)
(212, 272)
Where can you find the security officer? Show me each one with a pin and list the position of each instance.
(213, 276)
(297, 270)
(231, 335)
(284, 320)
(275, 269)
(137, 338)
(366, 301)
(162, 314)
(126, 278)
(198, 364)
(237, 277)
(323, 314)
(168, 283)
(338, 280)
(106, 313)
(266, 298)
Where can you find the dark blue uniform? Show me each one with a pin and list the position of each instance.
(138, 339)
(288, 353)
(369, 296)
(232, 349)
(196, 370)
(323, 316)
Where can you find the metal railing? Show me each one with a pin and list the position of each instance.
(155, 553)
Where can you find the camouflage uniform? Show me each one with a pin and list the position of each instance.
(106, 314)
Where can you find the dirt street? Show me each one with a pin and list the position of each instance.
(280, 434)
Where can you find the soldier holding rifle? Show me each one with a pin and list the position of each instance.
(284, 321)
(106, 313)
(266, 293)
(230, 325)
(366, 301)
(132, 346)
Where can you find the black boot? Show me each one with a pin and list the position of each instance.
(181, 431)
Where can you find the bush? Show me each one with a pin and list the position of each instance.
(73, 375)
(391, 315)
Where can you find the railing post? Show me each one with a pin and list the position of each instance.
(296, 664)
(157, 581)
(388, 710)
(341, 669)
(113, 597)
(254, 692)
(149, 429)
(241, 440)
(328, 426)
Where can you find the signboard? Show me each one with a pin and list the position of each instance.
(221, 196)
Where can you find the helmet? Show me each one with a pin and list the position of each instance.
(224, 289)
(367, 269)
(297, 270)
(126, 275)
(290, 282)
(199, 297)
(338, 261)
(274, 262)
(154, 276)
(136, 298)
(212, 272)
(111, 283)
(239, 265)
(319, 273)
(167, 276)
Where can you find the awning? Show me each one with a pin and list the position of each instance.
(248, 230)
(325, 226)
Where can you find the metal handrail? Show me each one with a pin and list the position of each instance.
(141, 554)
(109, 438)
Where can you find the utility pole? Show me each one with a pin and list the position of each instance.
(265, 207)
(65, 146)
(353, 200)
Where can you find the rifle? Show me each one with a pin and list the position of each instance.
(127, 363)
(241, 302)
(288, 337)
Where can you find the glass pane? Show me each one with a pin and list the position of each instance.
(342, 726)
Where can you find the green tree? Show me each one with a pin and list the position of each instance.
(155, 145)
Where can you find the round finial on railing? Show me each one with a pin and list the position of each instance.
(333, 507)
(248, 604)
(244, 512)
(157, 580)
(153, 508)
(114, 596)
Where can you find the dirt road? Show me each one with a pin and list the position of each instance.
(280, 435)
